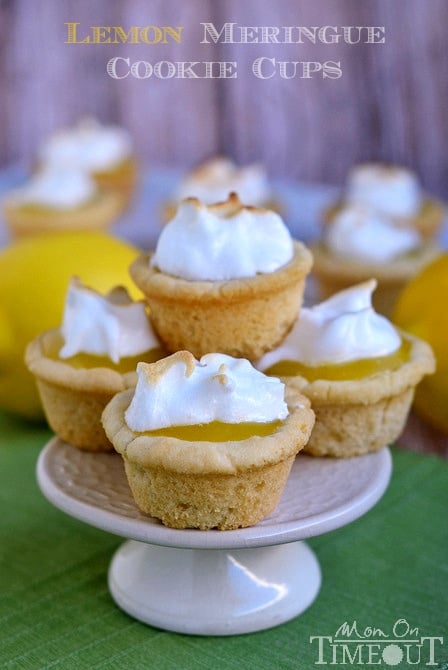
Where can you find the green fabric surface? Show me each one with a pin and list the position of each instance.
(56, 612)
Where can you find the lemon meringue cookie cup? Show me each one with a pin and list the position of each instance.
(394, 192)
(357, 369)
(57, 200)
(361, 242)
(103, 151)
(223, 277)
(93, 355)
(207, 444)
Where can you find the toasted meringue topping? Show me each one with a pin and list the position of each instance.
(341, 329)
(58, 189)
(390, 189)
(215, 179)
(179, 390)
(112, 325)
(361, 233)
(88, 146)
(223, 241)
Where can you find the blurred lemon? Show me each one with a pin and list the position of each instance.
(422, 310)
(34, 275)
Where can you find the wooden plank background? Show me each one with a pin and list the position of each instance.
(390, 104)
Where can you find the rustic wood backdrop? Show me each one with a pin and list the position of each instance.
(390, 104)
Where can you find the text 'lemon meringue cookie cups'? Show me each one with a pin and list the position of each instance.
(80, 366)
(224, 278)
(357, 369)
(58, 200)
(207, 444)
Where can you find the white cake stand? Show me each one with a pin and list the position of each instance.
(214, 582)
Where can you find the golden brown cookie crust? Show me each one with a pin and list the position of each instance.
(334, 273)
(73, 398)
(97, 214)
(332, 267)
(355, 429)
(240, 317)
(208, 501)
(361, 416)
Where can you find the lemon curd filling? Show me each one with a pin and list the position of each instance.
(126, 364)
(358, 369)
(217, 431)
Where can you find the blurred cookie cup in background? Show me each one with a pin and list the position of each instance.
(58, 200)
(213, 180)
(361, 242)
(395, 193)
(104, 151)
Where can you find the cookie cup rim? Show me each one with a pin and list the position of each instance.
(373, 388)
(160, 286)
(205, 457)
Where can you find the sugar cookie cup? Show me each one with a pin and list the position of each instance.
(73, 398)
(24, 220)
(359, 416)
(427, 221)
(93, 355)
(208, 484)
(240, 317)
(334, 273)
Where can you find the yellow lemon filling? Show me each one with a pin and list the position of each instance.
(358, 369)
(126, 364)
(217, 431)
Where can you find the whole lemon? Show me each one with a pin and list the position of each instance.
(34, 276)
(422, 310)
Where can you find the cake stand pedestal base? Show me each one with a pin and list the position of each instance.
(211, 582)
(213, 591)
